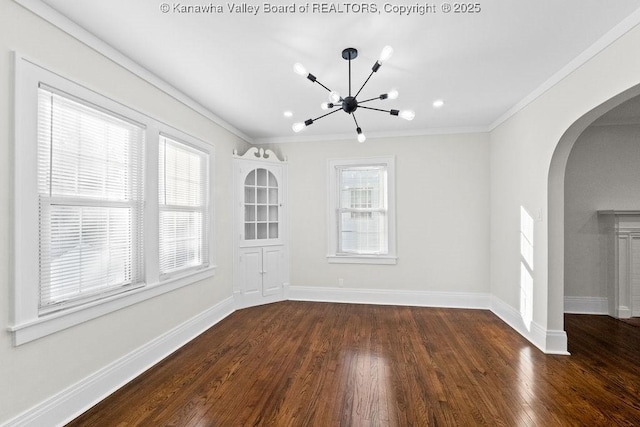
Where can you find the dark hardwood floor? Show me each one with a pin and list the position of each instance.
(321, 364)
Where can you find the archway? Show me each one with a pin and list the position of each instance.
(556, 196)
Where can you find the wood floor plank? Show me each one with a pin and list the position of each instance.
(322, 364)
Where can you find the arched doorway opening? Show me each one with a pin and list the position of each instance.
(556, 196)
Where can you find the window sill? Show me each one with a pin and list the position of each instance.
(57, 321)
(363, 259)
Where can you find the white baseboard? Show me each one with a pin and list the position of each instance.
(76, 399)
(549, 341)
(586, 305)
(391, 297)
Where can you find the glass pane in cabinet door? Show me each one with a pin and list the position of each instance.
(273, 182)
(250, 213)
(273, 196)
(262, 195)
(273, 230)
(250, 231)
(262, 177)
(273, 213)
(262, 230)
(251, 178)
(262, 213)
(249, 194)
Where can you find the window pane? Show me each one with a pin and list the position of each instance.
(362, 187)
(86, 250)
(363, 232)
(181, 174)
(181, 240)
(85, 152)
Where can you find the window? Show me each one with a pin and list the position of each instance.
(90, 201)
(362, 211)
(109, 210)
(183, 178)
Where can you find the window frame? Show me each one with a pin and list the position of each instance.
(204, 208)
(334, 166)
(27, 322)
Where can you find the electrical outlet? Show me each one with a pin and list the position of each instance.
(340, 282)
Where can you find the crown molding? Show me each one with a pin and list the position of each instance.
(371, 135)
(76, 31)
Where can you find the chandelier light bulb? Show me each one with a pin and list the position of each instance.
(324, 105)
(407, 114)
(299, 69)
(297, 127)
(393, 94)
(386, 53)
(334, 97)
(361, 137)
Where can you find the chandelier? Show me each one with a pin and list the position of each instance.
(350, 103)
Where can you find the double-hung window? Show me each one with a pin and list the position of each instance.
(183, 184)
(362, 211)
(90, 201)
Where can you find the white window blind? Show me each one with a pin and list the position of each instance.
(362, 210)
(90, 185)
(183, 190)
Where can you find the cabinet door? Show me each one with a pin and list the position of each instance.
(272, 267)
(251, 270)
(261, 205)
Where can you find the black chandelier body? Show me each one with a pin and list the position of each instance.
(350, 103)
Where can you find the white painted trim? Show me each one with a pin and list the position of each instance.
(586, 305)
(74, 30)
(601, 44)
(549, 341)
(76, 399)
(333, 181)
(361, 259)
(391, 297)
(39, 327)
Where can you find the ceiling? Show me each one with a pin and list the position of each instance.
(239, 66)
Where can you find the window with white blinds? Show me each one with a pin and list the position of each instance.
(362, 211)
(183, 212)
(106, 207)
(90, 190)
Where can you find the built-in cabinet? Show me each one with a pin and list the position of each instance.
(622, 259)
(261, 256)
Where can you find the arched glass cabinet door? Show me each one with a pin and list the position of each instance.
(261, 206)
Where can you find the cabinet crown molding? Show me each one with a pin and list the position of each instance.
(255, 153)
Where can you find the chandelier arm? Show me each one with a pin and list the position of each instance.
(354, 119)
(363, 84)
(367, 100)
(328, 90)
(329, 113)
(374, 109)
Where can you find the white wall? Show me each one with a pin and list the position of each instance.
(442, 202)
(37, 370)
(526, 173)
(603, 172)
